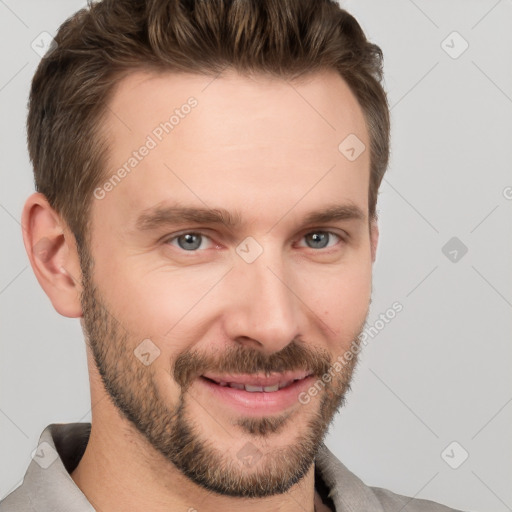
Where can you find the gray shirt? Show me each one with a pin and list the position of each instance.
(48, 486)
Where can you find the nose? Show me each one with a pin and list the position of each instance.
(264, 311)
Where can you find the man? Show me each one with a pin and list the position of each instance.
(207, 176)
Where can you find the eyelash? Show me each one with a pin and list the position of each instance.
(168, 241)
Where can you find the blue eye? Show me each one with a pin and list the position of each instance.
(192, 241)
(320, 239)
(188, 241)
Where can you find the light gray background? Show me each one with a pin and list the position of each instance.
(437, 372)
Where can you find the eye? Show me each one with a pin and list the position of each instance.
(192, 241)
(189, 241)
(320, 239)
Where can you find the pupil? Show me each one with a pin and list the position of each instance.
(320, 238)
(191, 241)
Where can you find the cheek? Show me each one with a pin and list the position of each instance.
(156, 303)
(341, 300)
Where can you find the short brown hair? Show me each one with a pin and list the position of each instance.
(99, 45)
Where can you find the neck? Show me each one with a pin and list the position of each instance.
(120, 470)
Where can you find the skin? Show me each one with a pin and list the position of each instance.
(267, 149)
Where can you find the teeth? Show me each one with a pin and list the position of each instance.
(284, 384)
(253, 389)
(257, 389)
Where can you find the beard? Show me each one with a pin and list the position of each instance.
(174, 432)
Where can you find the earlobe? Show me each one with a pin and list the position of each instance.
(51, 249)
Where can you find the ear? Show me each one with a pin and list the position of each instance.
(52, 251)
(374, 238)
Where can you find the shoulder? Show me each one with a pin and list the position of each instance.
(392, 502)
(349, 492)
(17, 501)
(47, 484)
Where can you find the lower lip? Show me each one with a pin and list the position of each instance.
(259, 402)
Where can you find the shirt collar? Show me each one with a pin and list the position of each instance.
(47, 481)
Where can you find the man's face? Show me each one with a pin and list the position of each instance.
(189, 319)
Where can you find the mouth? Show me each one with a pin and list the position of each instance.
(255, 395)
(257, 383)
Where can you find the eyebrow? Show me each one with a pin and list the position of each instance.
(158, 216)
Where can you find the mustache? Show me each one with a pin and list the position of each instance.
(237, 359)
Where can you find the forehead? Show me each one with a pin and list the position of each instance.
(232, 140)
(323, 101)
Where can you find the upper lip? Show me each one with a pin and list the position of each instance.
(258, 379)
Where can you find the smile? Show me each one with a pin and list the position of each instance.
(256, 389)
(256, 394)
